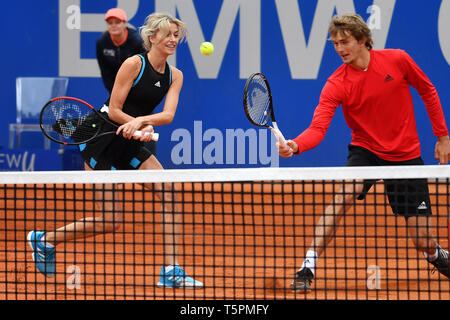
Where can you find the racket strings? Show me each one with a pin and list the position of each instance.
(68, 121)
(258, 101)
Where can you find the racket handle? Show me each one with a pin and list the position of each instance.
(155, 136)
(278, 134)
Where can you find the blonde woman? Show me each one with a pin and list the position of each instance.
(141, 84)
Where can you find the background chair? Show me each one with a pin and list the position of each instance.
(31, 95)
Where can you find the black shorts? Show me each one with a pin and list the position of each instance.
(114, 152)
(407, 197)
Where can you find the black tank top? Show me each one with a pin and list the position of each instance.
(148, 90)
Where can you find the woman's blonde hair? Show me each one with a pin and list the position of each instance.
(352, 24)
(160, 21)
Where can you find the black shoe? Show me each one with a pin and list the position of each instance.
(441, 263)
(303, 279)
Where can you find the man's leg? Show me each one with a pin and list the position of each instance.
(411, 198)
(324, 233)
(421, 233)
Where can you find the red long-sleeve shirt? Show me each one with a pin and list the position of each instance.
(377, 106)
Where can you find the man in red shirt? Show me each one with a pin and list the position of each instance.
(373, 88)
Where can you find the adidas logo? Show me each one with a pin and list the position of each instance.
(422, 206)
(388, 78)
(158, 84)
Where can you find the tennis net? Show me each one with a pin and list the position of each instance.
(242, 233)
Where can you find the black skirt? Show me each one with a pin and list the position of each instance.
(114, 152)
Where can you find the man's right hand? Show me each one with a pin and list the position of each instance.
(286, 151)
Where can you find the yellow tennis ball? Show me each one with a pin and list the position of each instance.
(206, 48)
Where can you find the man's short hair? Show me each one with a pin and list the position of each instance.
(351, 24)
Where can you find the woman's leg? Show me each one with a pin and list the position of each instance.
(169, 195)
(107, 202)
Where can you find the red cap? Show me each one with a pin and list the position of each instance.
(116, 13)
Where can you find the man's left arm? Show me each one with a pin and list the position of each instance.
(427, 91)
(442, 150)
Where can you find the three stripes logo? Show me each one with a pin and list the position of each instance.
(422, 206)
(388, 78)
(158, 84)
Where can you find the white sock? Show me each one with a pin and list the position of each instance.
(310, 260)
(432, 257)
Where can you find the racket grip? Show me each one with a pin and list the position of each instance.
(155, 136)
(278, 134)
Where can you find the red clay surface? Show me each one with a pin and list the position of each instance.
(240, 244)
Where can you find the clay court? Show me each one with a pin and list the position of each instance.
(242, 240)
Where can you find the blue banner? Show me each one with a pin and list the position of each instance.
(30, 160)
(284, 39)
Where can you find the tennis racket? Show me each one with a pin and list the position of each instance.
(258, 104)
(71, 121)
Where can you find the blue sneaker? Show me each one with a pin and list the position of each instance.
(43, 257)
(177, 278)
